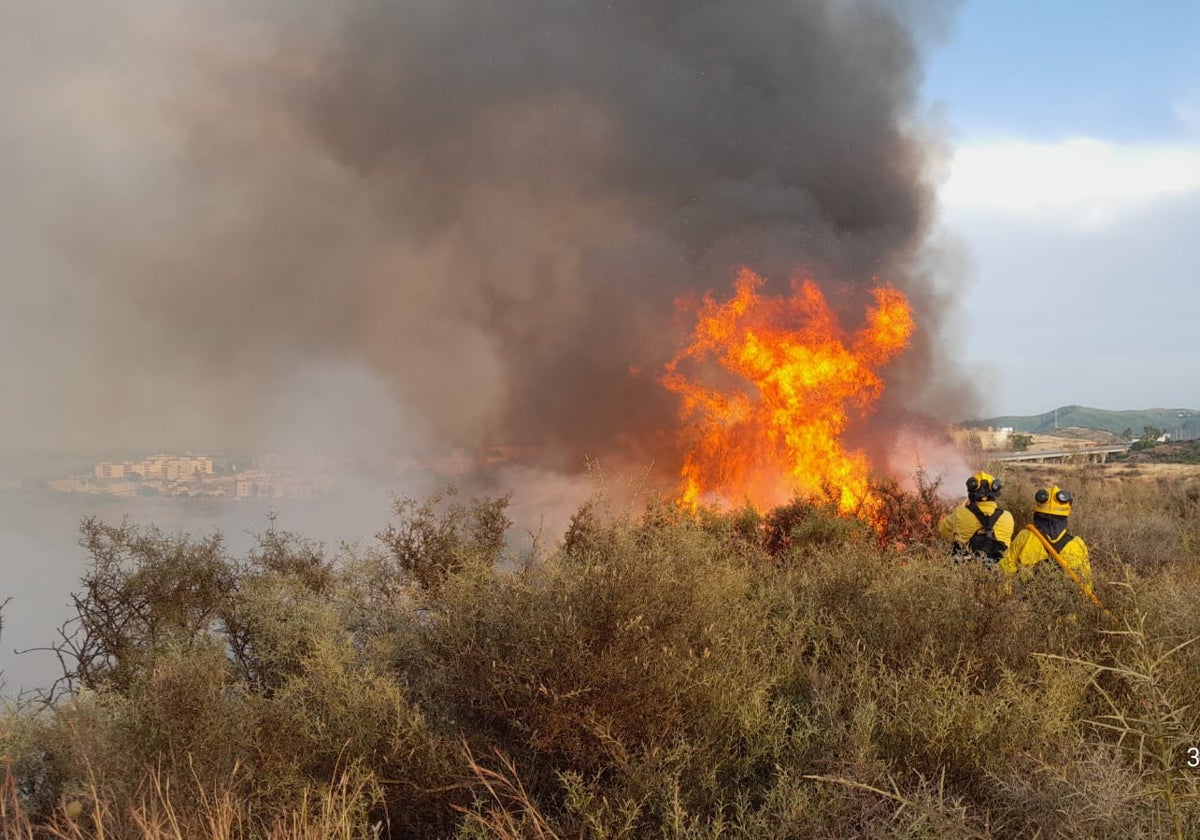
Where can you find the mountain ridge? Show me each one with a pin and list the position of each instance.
(1180, 423)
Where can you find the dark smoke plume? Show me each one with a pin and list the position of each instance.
(489, 208)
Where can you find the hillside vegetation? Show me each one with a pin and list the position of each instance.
(1179, 422)
(1184, 452)
(657, 674)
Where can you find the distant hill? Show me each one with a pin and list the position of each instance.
(1180, 423)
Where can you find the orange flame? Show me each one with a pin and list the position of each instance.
(772, 430)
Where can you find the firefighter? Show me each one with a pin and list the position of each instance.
(978, 528)
(1047, 537)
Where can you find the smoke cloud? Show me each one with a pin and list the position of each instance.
(480, 213)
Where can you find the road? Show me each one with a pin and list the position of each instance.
(1090, 453)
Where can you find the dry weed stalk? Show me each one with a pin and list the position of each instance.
(14, 824)
(1159, 731)
(934, 814)
(512, 814)
(333, 813)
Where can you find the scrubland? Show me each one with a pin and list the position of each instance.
(654, 673)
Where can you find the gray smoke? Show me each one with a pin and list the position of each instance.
(489, 208)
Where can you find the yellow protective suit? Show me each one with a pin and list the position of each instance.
(1026, 551)
(960, 524)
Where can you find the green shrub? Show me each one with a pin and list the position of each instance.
(440, 535)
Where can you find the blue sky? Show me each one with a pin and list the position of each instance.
(1075, 191)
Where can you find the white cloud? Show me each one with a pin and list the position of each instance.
(1187, 111)
(1078, 183)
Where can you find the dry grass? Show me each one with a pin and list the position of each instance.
(1110, 472)
(333, 813)
(659, 674)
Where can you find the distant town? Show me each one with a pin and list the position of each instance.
(1069, 432)
(192, 475)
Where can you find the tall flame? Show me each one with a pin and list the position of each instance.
(769, 426)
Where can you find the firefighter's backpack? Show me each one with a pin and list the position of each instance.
(983, 541)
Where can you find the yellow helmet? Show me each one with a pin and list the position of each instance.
(982, 486)
(1054, 501)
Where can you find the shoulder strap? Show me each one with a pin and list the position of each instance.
(1063, 538)
(986, 522)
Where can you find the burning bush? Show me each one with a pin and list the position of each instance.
(771, 383)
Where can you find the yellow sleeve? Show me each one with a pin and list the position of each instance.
(946, 526)
(1011, 559)
(1075, 555)
(1004, 528)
